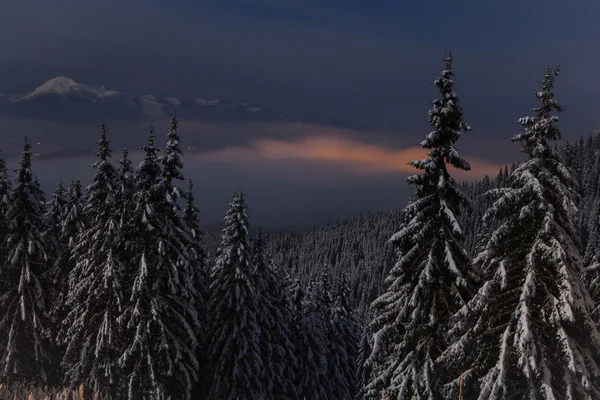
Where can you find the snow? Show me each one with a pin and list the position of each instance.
(151, 106)
(64, 86)
(202, 102)
(172, 100)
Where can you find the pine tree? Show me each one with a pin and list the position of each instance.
(234, 350)
(24, 357)
(363, 369)
(200, 278)
(432, 278)
(91, 330)
(274, 319)
(198, 259)
(55, 213)
(160, 347)
(5, 190)
(70, 227)
(125, 192)
(172, 164)
(343, 342)
(528, 331)
(311, 343)
(38, 193)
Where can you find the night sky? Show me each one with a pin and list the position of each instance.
(370, 63)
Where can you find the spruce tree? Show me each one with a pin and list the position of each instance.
(159, 359)
(234, 349)
(528, 331)
(343, 342)
(171, 163)
(197, 257)
(5, 189)
(363, 370)
(38, 193)
(70, 227)
(200, 276)
(432, 278)
(311, 343)
(125, 193)
(91, 330)
(24, 356)
(55, 213)
(274, 319)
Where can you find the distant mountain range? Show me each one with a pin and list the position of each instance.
(63, 98)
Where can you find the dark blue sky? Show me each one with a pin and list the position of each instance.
(370, 62)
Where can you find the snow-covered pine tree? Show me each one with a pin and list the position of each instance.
(39, 193)
(198, 259)
(274, 319)
(593, 240)
(311, 342)
(24, 357)
(159, 359)
(200, 277)
(5, 186)
(528, 329)
(55, 212)
(125, 193)
(70, 227)
(5, 189)
(321, 293)
(234, 337)
(432, 278)
(363, 370)
(94, 301)
(171, 173)
(343, 342)
(54, 215)
(74, 221)
(172, 165)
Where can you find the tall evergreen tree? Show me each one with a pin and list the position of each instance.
(234, 350)
(91, 331)
(528, 331)
(160, 346)
(363, 370)
(343, 342)
(432, 278)
(55, 213)
(125, 192)
(311, 343)
(24, 356)
(70, 227)
(172, 164)
(38, 192)
(200, 277)
(5, 189)
(197, 256)
(274, 319)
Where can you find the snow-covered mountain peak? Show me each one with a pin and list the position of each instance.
(58, 85)
(62, 98)
(65, 86)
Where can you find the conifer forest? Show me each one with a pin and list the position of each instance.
(487, 290)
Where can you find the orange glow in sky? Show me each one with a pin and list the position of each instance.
(361, 157)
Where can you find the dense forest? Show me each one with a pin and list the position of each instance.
(483, 290)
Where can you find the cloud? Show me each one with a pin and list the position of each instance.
(359, 157)
(277, 151)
